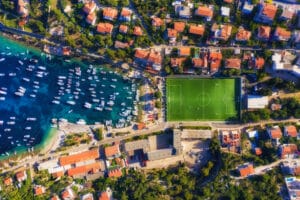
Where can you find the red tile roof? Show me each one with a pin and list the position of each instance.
(39, 190)
(86, 155)
(8, 181)
(264, 32)
(234, 63)
(291, 131)
(288, 149)
(228, 1)
(275, 133)
(137, 31)
(123, 29)
(197, 29)
(121, 45)
(91, 18)
(172, 33)
(104, 28)
(21, 175)
(141, 54)
(57, 174)
(269, 10)
(246, 170)
(112, 150)
(179, 26)
(199, 62)
(103, 196)
(155, 57)
(110, 13)
(204, 11)
(215, 60)
(67, 194)
(89, 7)
(141, 126)
(184, 51)
(85, 169)
(259, 62)
(258, 151)
(156, 21)
(176, 62)
(126, 12)
(54, 197)
(282, 33)
(243, 35)
(115, 173)
(226, 31)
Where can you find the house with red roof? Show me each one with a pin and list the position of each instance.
(281, 34)
(200, 62)
(125, 15)
(177, 62)
(172, 34)
(112, 152)
(79, 157)
(290, 131)
(68, 194)
(8, 181)
(275, 134)
(23, 8)
(179, 26)
(123, 28)
(231, 139)
(88, 196)
(91, 19)
(115, 173)
(105, 28)
(266, 13)
(287, 14)
(205, 11)
(246, 170)
(106, 195)
(110, 13)
(259, 63)
(196, 29)
(55, 197)
(243, 35)
(288, 151)
(233, 63)
(214, 59)
(137, 31)
(84, 170)
(39, 190)
(21, 176)
(221, 32)
(121, 45)
(89, 7)
(264, 33)
(258, 151)
(157, 22)
(184, 51)
(151, 58)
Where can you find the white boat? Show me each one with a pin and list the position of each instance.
(26, 136)
(55, 102)
(110, 103)
(32, 95)
(3, 92)
(2, 74)
(28, 128)
(11, 123)
(2, 59)
(81, 122)
(2, 98)
(42, 68)
(114, 80)
(31, 119)
(26, 79)
(71, 102)
(7, 130)
(98, 108)
(87, 105)
(20, 94)
(113, 86)
(20, 62)
(1, 122)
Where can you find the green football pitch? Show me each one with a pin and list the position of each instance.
(200, 99)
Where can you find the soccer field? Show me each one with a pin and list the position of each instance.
(200, 99)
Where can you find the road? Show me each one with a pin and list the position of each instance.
(155, 128)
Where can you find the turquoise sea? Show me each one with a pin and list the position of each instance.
(35, 88)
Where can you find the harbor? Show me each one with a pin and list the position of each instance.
(37, 90)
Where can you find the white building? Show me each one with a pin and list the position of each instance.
(293, 187)
(257, 102)
(284, 60)
(225, 11)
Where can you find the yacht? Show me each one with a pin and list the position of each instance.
(2, 59)
(55, 102)
(31, 119)
(81, 122)
(87, 105)
(71, 102)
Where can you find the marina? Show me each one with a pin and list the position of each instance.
(36, 88)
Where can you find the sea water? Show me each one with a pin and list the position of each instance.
(35, 88)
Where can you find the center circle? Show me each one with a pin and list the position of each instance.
(203, 100)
